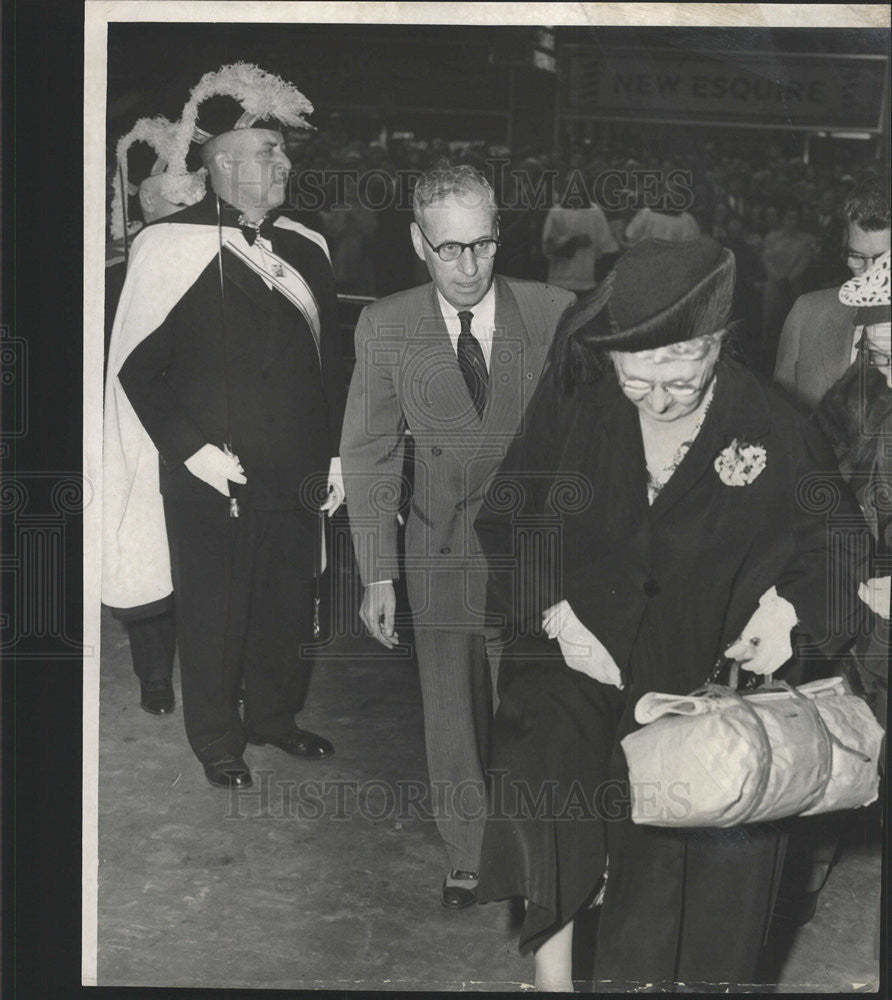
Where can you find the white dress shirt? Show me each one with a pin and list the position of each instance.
(481, 325)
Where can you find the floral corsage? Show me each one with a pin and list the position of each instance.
(740, 463)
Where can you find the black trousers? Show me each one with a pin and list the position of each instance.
(152, 635)
(242, 613)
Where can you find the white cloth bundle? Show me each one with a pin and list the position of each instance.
(716, 758)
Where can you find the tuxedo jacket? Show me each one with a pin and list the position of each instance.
(407, 381)
(815, 345)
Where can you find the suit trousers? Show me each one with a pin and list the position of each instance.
(152, 634)
(242, 614)
(152, 646)
(456, 690)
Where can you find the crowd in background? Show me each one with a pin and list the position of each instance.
(566, 212)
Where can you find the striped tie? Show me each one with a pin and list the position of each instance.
(470, 360)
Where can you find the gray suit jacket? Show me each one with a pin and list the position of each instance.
(407, 379)
(815, 345)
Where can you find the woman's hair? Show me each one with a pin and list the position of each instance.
(684, 350)
(576, 362)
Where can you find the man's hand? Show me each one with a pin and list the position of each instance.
(336, 491)
(213, 466)
(764, 644)
(377, 611)
(582, 650)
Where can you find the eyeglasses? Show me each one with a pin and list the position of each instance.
(483, 249)
(641, 387)
(862, 259)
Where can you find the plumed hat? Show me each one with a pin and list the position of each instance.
(157, 139)
(869, 292)
(659, 293)
(236, 96)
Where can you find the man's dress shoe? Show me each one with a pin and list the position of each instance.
(156, 697)
(298, 743)
(231, 772)
(458, 897)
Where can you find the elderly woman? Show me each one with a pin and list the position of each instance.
(651, 519)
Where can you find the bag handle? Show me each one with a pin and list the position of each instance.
(733, 667)
(834, 739)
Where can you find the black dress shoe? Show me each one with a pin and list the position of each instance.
(298, 743)
(459, 897)
(156, 697)
(231, 772)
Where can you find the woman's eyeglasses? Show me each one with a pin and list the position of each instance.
(641, 387)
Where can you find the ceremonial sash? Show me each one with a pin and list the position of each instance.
(290, 283)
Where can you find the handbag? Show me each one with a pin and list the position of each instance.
(718, 758)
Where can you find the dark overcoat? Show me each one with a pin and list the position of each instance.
(666, 588)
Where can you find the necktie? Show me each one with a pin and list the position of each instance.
(470, 360)
(251, 231)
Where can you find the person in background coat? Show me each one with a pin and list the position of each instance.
(150, 627)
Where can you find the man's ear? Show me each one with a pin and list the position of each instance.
(146, 199)
(417, 240)
(222, 161)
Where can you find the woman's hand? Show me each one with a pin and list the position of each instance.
(581, 649)
(875, 594)
(764, 645)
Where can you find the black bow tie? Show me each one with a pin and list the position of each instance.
(252, 230)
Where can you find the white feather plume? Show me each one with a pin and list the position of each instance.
(160, 134)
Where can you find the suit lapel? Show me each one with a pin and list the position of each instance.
(514, 365)
(508, 363)
(436, 394)
(247, 281)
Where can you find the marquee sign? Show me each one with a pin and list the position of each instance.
(782, 90)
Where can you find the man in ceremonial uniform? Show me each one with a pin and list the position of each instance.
(455, 363)
(150, 627)
(226, 394)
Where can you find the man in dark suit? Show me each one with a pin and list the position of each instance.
(454, 363)
(225, 362)
(820, 336)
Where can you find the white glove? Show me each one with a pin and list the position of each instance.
(336, 491)
(876, 595)
(764, 644)
(582, 651)
(213, 466)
